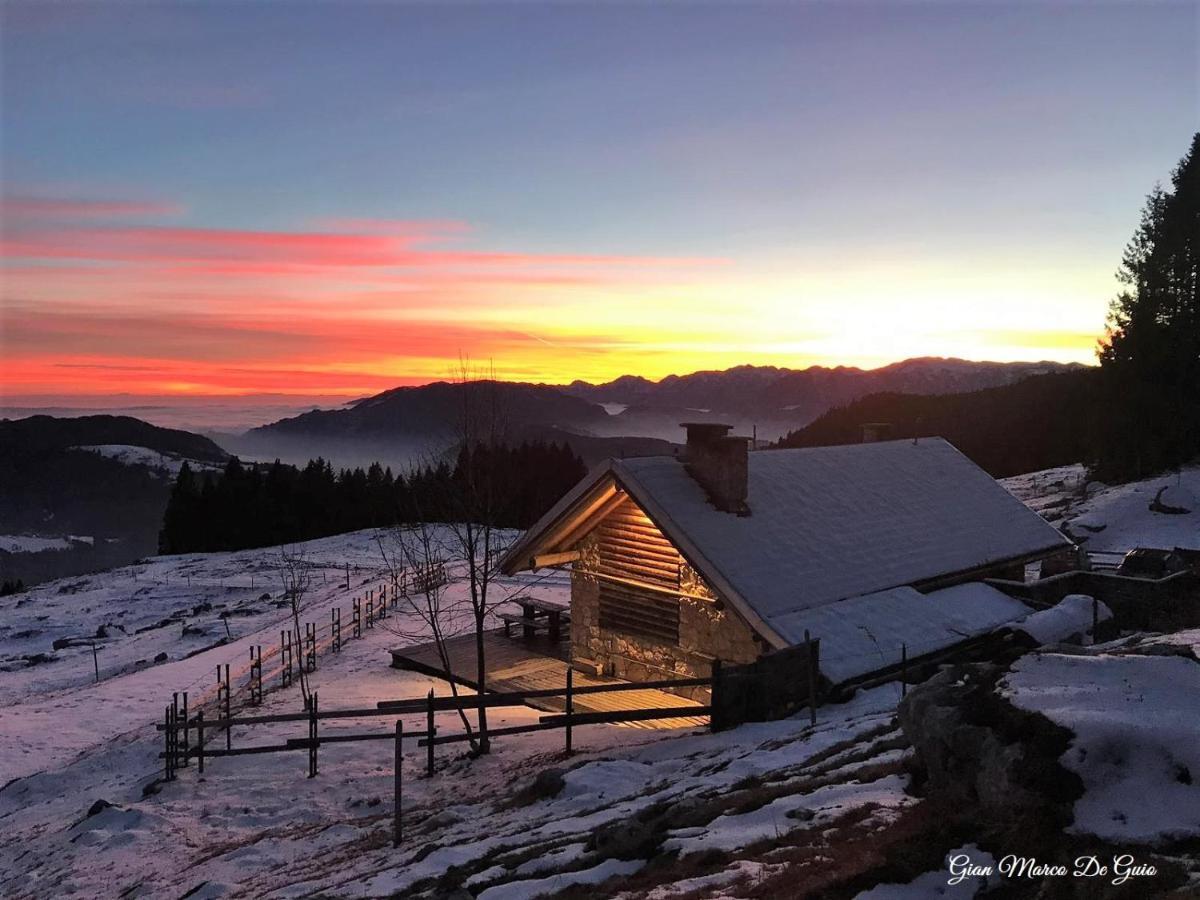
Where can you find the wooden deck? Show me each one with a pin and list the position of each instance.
(525, 664)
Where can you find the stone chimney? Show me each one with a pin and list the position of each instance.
(718, 461)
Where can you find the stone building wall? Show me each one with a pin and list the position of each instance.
(708, 630)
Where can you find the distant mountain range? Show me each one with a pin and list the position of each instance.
(780, 400)
(1037, 423)
(97, 486)
(628, 416)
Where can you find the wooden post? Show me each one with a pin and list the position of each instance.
(175, 720)
(356, 616)
(166, 743)
(96, 662)
(312, 736)
(812, 679)
(371, 610)
(570, 708)
(903, 670)
(228, 713)
(200, 740)
(335, 628)
(186, 742)
(396, 804)
(715, 719)
(432, 730)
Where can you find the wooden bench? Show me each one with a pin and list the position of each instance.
(536, 615)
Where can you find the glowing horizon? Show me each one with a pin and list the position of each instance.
(653, 208)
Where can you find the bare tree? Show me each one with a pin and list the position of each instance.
(470, 535)
(296, 576)
(414, 555)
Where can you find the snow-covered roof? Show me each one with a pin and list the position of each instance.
(863, 634)
(825, 523)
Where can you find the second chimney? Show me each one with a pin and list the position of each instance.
(719, 462)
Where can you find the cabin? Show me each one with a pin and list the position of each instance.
(727, 555)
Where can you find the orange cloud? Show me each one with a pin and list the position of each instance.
(96, 305)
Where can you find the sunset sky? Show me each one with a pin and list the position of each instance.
(333, 199)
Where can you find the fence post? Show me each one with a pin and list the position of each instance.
(200, 740)
(285, 658)
(432, 730)
(371, 609)
(186, 741)
(258, 675)
(570, 708)
(312, 736)
(347, 576)
(96, 662)
(357, 616)
(812, 679)
(167, 743)
(715, 722)
(903, 670)
(399, 760)
(335, 628)
(228, 711)
(175, 721)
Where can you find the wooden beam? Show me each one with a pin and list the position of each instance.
(547, 560)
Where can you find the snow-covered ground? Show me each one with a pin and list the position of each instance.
(1118, 518)
(31, 543)
(256, 826)
(635, 813)
(168, 464)
(1136, 720)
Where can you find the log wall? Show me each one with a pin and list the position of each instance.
(640, 612)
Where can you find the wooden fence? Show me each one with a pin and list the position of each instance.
(185, 735)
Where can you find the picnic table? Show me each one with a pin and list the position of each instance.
(536, 615)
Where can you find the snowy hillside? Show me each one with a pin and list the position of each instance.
(765, 810)
(167, 464)
(255, 826)
(1117, 518)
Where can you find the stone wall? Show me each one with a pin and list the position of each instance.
(1165, 604)
(708, 630)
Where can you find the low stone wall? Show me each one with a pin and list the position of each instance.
(1163, 604)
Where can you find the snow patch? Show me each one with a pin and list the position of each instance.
(1137, 738)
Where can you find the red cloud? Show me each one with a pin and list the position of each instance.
(352, 307)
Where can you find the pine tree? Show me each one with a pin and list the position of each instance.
(1150, 356)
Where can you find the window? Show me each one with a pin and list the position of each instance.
(633, 610)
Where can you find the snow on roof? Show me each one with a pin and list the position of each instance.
(1072, 615)
(827, 523)
(862, 634)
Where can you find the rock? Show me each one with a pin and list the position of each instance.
(264, 597)
(161, 657)
(97, 807)
(61, 643)
(547, 784)
(984, 756)
(444, 819)
(102, 631)
(626, 839)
